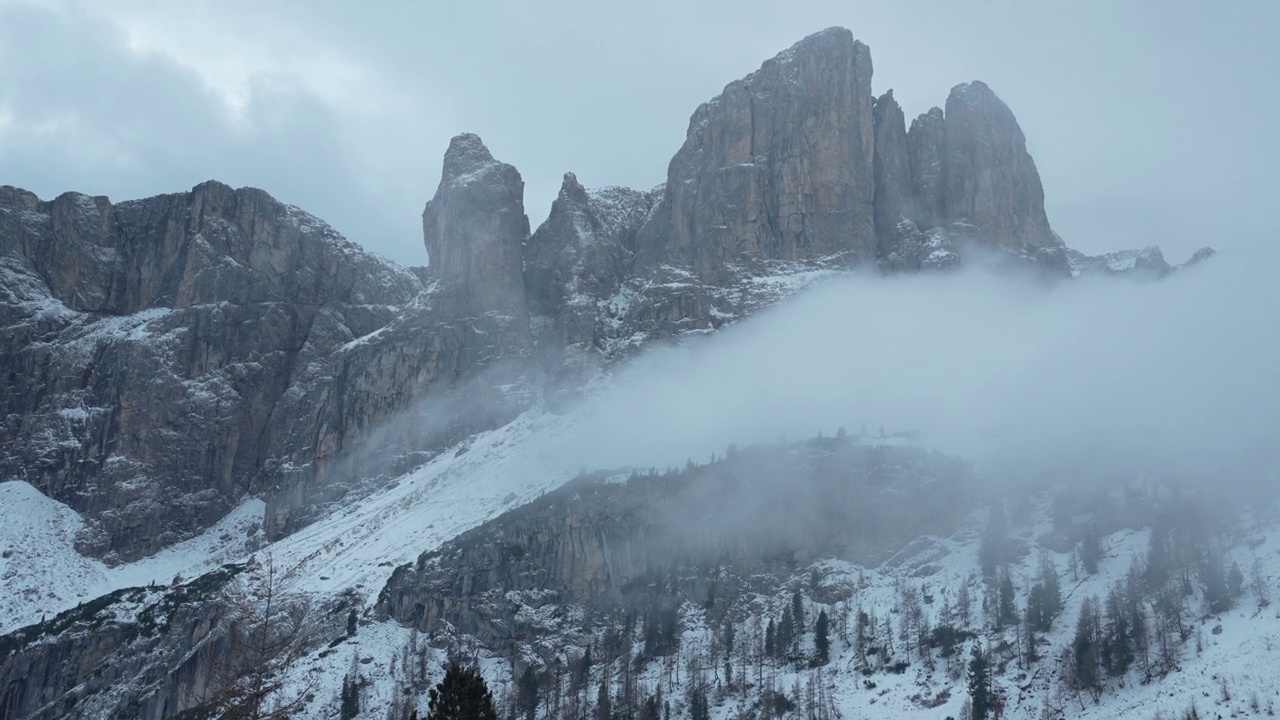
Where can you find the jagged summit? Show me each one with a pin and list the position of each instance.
(992, 185)
(1143, 264)
(777, 167)
(467, 154)
(975, 92)
(831, 42)
(473, 229)
(571, 188)
(795, 167)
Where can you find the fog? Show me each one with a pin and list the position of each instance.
(1177, 376)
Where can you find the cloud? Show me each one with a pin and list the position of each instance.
(1178, 376)
(87, 106)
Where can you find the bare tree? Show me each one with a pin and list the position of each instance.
(268, 627)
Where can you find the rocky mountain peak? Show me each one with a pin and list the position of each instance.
(926, 141)
(17, 198)
(777, 167)
(992, 188)
(473, 229)
(466, 154)
(571, 190)
(894, 202)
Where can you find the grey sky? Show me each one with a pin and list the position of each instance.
(1151, 122)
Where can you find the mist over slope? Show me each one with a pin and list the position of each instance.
(998, 368)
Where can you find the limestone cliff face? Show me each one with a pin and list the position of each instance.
(894, 199)
(152, 350)
(926, 144)
(778, 166)
(900, 206)
(973, 184)
(992, 188)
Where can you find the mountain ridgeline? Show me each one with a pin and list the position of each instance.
(166, 357)
(610, 547)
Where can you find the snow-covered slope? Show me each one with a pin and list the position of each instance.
(1226, 669)
(43, 574)
(357, 548)
(352, 548)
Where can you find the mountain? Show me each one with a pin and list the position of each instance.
(199, 381)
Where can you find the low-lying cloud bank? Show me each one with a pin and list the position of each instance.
(1093, 376)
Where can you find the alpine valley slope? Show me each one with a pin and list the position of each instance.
(200, 378)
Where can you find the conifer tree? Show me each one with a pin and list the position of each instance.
(461, 695)
(527, 692)
(699, 707)
(350, 699)
(1030, 655)
(785, 633)
(1085, 650)
(770, 639)
(979, 683)
(604, 707)
(1007, 611)
(1235, 580)
(1091, 549)
(1217, 596)
(821, 641)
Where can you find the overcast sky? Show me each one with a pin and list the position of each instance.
(1151, 122)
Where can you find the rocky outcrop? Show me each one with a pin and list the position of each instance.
(580, 257)
(593, 299)
(474, 228)
(797, 163)
(973, 185)
(451, 363)
(926, 147)
(993, 191)
(135, 653)
(1145, 264)
(901, 245)
(777, 167)
(147, 653)
(894, 199)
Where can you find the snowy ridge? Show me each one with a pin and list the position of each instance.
(43, 574)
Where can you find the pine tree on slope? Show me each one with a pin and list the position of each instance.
(461, 695)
